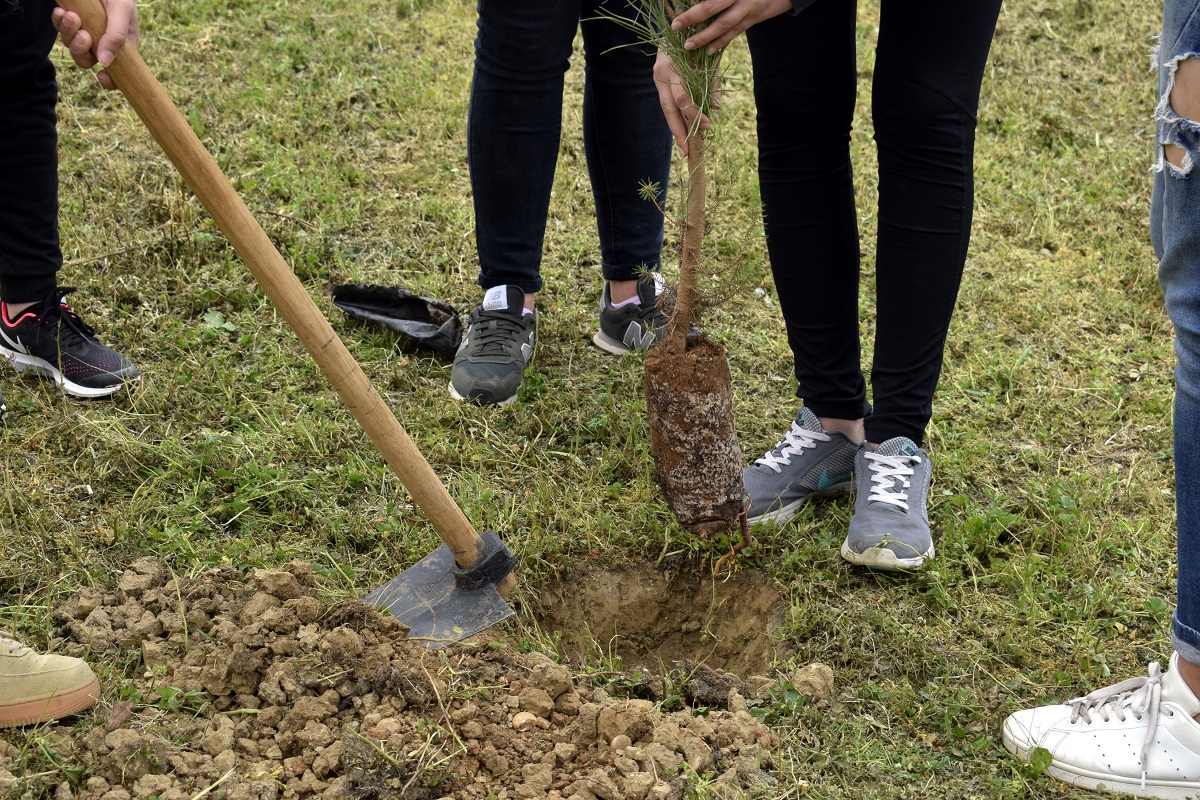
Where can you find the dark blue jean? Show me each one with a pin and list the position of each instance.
(30, 257)
(928, 70)
(1175, 232)
(522, 53)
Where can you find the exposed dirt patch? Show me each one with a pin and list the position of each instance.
(250, 684)
(654, 618)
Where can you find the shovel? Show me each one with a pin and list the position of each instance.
(460, 588)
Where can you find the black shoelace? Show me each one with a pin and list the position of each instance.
(71, 329)
(494, 332)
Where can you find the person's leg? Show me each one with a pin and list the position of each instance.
(30, 257)
(1176, 235)
(628, 144)
(522, 51)
(1155, 752)
(928, 70)
(804, 84)
(37, 329)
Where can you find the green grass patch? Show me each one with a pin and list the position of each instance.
(343, 127)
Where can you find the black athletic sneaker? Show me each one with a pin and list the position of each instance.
(495, 350)
(633, 326)
(51, 338)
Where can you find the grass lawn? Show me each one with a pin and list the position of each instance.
(342, 126)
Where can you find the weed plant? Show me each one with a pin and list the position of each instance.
(343, 127)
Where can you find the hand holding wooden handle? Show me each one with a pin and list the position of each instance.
(217, 194)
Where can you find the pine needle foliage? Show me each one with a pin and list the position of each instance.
(698, 69)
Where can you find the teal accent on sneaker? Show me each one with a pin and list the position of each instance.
(828, 482)
(807, 462)
(889, 529)
(495, 349)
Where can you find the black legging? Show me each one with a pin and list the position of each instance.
(928, 68)
(29, 250)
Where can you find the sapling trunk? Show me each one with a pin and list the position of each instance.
(693, 237)
(689, 390)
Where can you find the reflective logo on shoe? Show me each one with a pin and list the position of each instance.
(826, 480)
(12, 343)
(908, 449)
(496, 299)
(638, 337)
(527, 348)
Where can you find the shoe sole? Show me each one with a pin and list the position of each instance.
(1102, 781)
(611, 345)
(21, 362)
(884, 559)
(50, 707)
(783, 514)
(455, 394)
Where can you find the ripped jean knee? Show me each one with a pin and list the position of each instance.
(1177, 127)
(1173, 129)
(1174, 211)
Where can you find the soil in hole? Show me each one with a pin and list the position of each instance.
(651, 617)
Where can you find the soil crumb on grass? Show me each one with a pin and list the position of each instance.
(246, 684)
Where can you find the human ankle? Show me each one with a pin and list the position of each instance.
(620, 291)
(851, 428)
(15, 309)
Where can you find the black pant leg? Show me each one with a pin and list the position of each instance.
(30, 256)
(928, 71)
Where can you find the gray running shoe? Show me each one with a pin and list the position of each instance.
(495, 350)
(634, 326)
(890, 525)
(807, 462)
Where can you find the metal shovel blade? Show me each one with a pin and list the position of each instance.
(441, 603)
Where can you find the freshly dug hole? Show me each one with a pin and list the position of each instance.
(693, 441)
(653, 618)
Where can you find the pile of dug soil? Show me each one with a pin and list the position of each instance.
(250, 686)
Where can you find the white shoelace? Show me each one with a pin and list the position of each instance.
(889, 471)
(792, 444)
(1139, 696)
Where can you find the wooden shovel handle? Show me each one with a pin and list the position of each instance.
(216, 193)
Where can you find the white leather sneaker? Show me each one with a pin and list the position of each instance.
(1137, 737)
